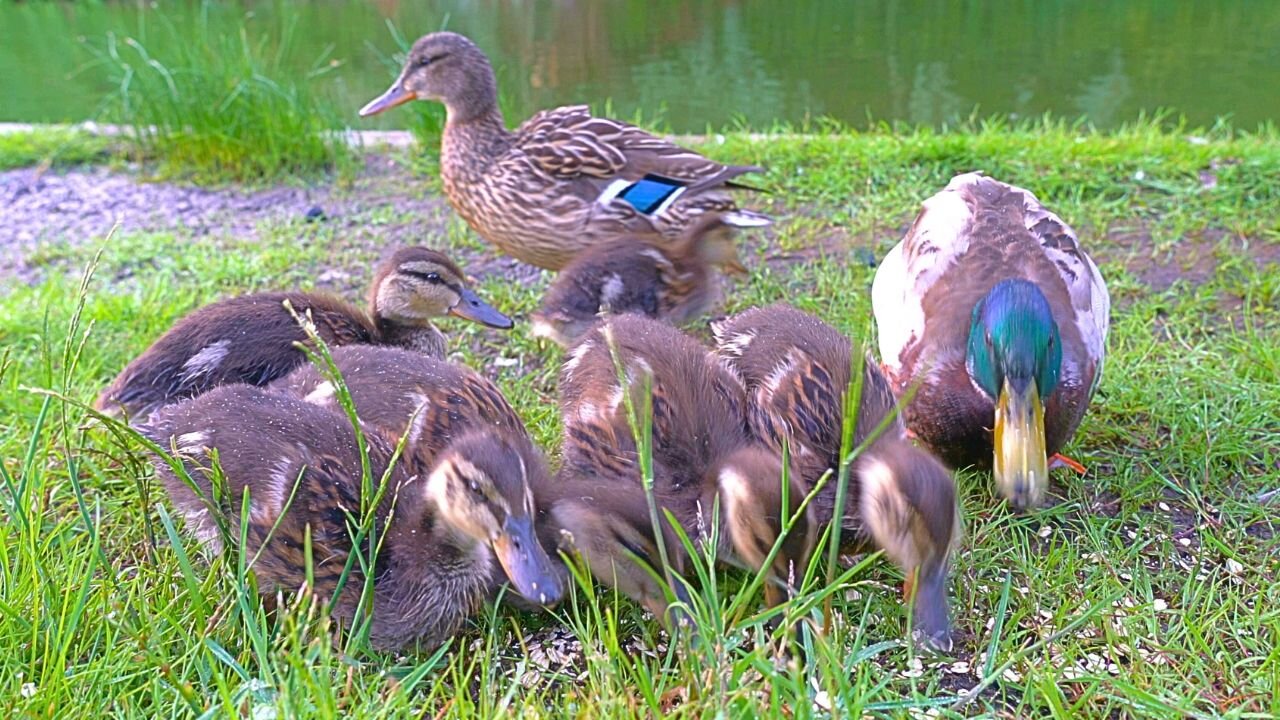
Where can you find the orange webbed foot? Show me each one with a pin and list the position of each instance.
(1058, 460)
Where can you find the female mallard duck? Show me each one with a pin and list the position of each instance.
(251, 339)
(701, 455)
(796, 370)
(671, 281)
(439, 523)
(994, 315)
(564, 180)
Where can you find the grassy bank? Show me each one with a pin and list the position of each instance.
(1148, 589)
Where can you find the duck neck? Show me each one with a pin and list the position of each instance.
(426, 339)
(472, 141)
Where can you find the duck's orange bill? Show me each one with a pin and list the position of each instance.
(395, 95)
(1021, 466)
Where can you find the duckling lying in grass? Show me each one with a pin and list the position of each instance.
(701, 456)
(250, 339)
(435, 402)
(796, 370)
(439, 523)
(671, 280)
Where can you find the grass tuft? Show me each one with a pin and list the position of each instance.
(220, 106)
(51, 147)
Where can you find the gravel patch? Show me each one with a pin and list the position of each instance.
(80, 206)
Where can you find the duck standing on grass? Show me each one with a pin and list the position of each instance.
(564, 180)
(995, 317)
(251, 338)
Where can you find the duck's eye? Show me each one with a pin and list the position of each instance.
(428, 59)
(988, 339)
(431, 277)
(473, 486)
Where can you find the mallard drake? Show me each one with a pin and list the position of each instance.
(564, 180)
(993, 314)
(439, 524)
(702, 455)
(251, 338)
(641, 274)
(400, 391)
(796, 370)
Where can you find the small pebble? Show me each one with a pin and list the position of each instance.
(315, 214)
(1234, 567)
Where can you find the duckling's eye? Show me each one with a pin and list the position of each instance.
(431, 277)
(428, 59)
(474, 487)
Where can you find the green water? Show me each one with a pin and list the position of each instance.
(694, 64)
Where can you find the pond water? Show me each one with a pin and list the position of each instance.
(699, 64)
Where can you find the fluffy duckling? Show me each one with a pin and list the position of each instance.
(564, 180)
(440, 524)
(796, 370)
(250, 339)
(641, 274)
(434, 402)
(701, 455)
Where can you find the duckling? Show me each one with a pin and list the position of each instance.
(796, 369)
(400, 391)
(440, 523)
(701, 455)
(251, 339)
(563, 181)
(640, 274)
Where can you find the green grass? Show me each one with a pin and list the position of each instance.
(1150, 589)
(54, 147)
(217, 106)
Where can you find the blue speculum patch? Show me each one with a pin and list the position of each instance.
(650, 192)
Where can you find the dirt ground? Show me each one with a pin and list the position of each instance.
(388, 205)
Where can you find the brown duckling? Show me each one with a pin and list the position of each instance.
(434, 401)
(796, 369)
(641, 274)
(439, 523)
(564, 180)
(701, 454)
(250, 339)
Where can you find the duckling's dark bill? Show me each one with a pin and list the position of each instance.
(473, 308)
(395, 95)
(527, 565)
(927, 589)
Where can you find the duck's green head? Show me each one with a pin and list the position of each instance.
(1015, 355)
